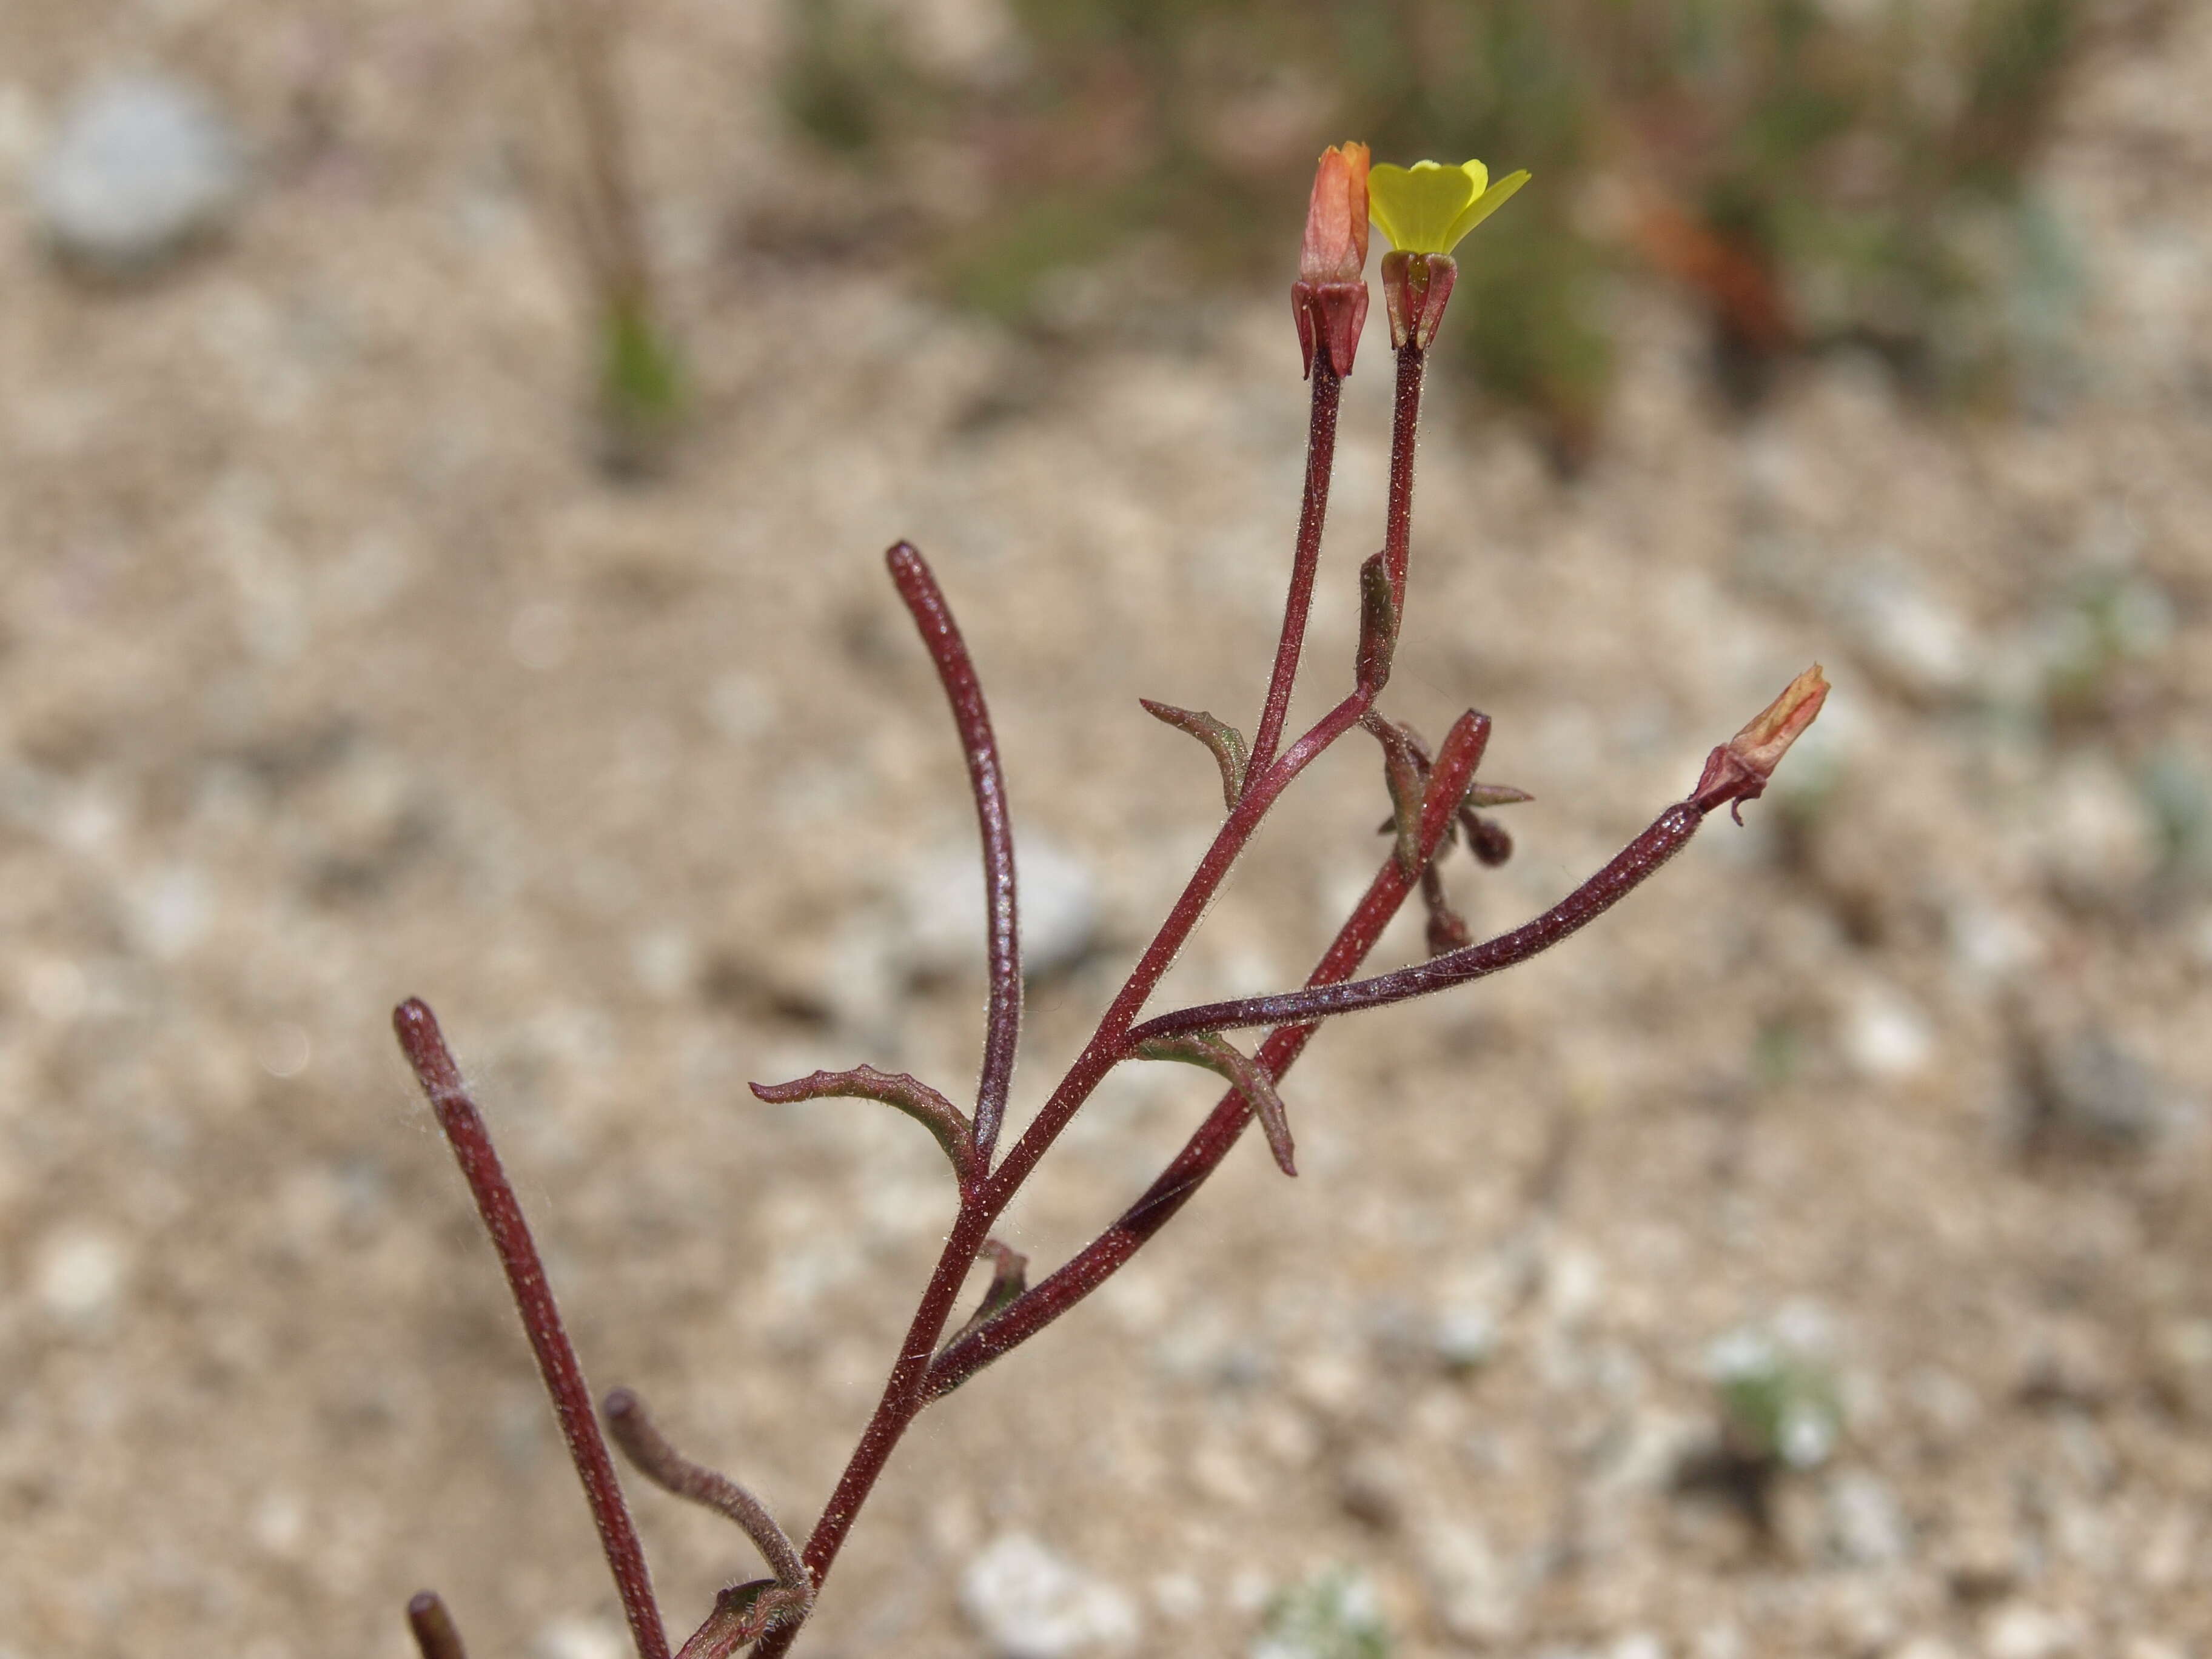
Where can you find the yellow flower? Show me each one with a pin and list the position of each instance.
(1426, 208)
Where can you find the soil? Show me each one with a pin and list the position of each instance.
(332, 672)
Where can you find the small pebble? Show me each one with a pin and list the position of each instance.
(1865, 1525)
(1884, 1036)
(143, 166)
(1029, 1603)
(580, 1639)
(2018, 1632)
(2086, 1085)
(79, 1276)
(1917, 640)
(941, 908)
(1469, 1587)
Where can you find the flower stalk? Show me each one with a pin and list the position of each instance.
(1424, 210)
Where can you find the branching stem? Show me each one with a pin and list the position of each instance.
(1629, 868)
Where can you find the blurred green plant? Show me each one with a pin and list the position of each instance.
(1779, 1399)
(638, 380)
(1334, 1615)
(1851, 171)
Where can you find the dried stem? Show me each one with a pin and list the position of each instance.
(1003, 944)
(578, 35)
(426, 1050)
(1305, 561)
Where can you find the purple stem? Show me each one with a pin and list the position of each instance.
(1321, 461)
(955, 670)
(426, 1050)
(1668, 834)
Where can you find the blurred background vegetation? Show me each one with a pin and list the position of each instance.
(1816, 171)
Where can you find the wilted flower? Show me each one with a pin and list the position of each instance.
(1427, 209)
(1738, 770)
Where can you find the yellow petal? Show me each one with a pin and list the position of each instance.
(1415, 206)
(1485, 202)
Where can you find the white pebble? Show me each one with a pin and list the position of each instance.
(141, 166)
(1029, 1603)
(79, 1276)
(580, 1639)
(1884, 1036)
(941, 903)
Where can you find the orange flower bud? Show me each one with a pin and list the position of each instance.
(1336, 219)
(1329, 298)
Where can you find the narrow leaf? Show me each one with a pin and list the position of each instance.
(1496, 794)
(1403, 771)
(1002, 936)
(1009, 1278)
(1379, 626)
(1226, 742)
(669, 1469)
(895, 1089)
(1248, 1076)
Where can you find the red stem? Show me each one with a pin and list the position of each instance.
(418, 1029)
(1320, 462)
(1084, 1272)
(1398, 510)
(903, 1394)
(1634, 864)
(955, 670)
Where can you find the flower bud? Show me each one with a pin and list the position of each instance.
(1329, 299)
(1335, 248)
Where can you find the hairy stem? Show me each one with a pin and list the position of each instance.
(955, 670)
(426, 1050)
(1398, 510)
(1633, 865)
(904, 1392)
(1092, 1266)
(1321, 463)
(644, 1444)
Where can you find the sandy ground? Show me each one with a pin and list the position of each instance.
(330, 673)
